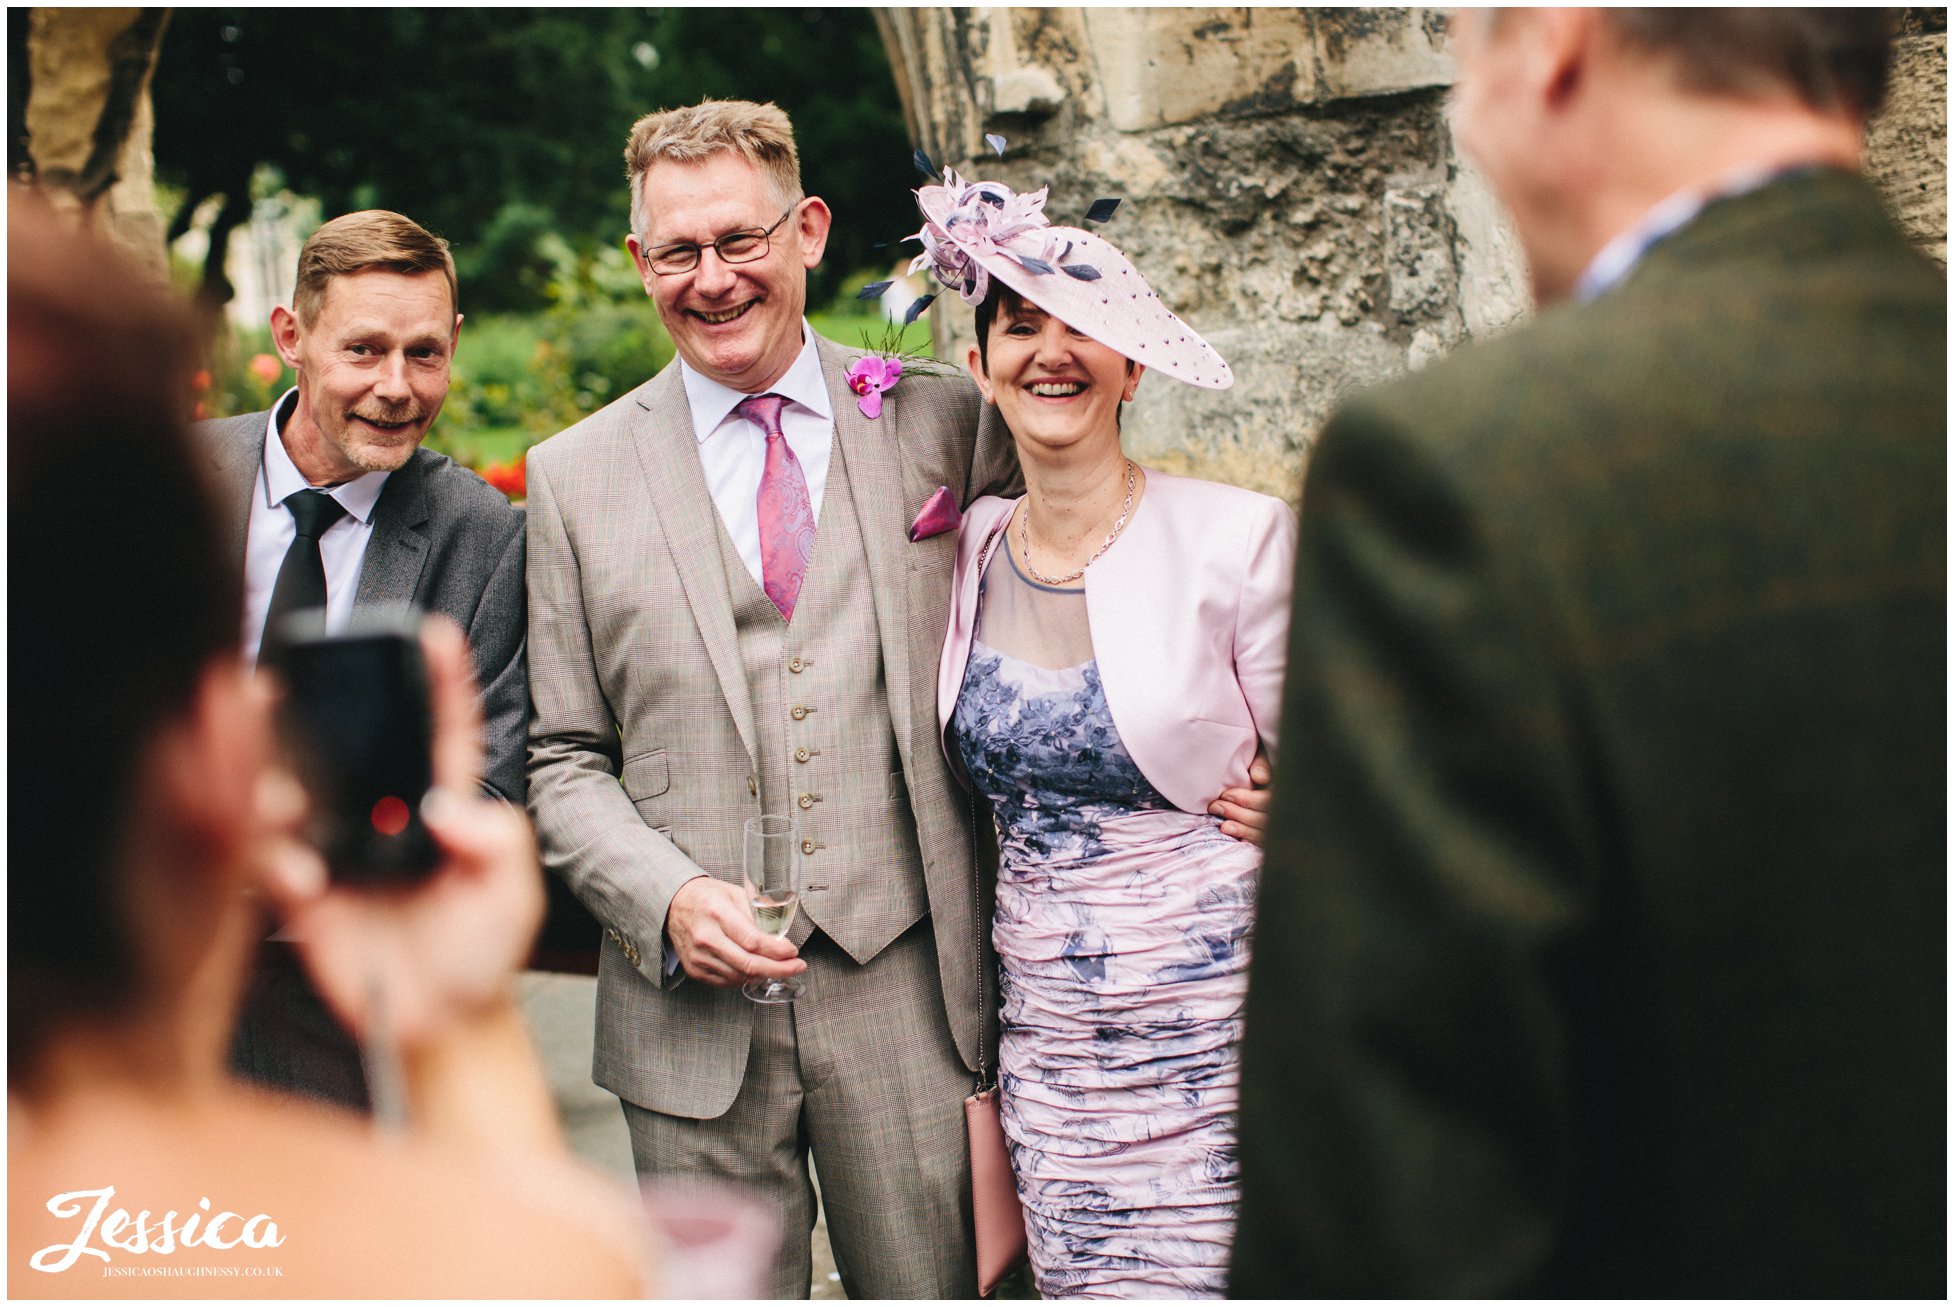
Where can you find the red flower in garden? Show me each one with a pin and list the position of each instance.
(267, 367)
(200, 381)
(508, 478)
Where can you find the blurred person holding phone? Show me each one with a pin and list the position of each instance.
(136, 887)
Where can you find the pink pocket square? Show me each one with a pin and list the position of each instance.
(940, 514)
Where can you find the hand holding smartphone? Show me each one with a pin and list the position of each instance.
(443, 943)
(356, 728)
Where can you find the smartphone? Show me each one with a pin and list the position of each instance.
(356, 728)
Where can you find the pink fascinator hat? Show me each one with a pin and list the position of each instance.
(975, 231)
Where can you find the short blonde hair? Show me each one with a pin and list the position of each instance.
(363, 241)
(759, 133)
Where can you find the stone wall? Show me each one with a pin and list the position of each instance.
(1906, 147)
(89, 123)
(1291, 189)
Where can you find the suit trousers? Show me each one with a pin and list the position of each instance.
(287, 1039)
(862, 1073)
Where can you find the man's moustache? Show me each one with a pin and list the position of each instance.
(392, 417)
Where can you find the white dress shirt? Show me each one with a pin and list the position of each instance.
(342, 548)
(733, 451)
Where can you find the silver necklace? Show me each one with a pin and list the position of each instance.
(1024, 536)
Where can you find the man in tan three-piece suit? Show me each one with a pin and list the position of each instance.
(695, 662)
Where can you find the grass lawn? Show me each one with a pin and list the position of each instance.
(481, 446)
(849, 328)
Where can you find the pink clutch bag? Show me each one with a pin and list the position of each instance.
(993, 1192)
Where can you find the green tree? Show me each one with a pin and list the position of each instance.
(499, 127)
(827, 68)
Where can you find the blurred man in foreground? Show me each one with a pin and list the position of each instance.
(132, 910)
(1601, 943)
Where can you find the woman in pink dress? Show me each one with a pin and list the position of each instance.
(1114, 660)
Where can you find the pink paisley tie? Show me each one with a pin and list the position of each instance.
(786, 515)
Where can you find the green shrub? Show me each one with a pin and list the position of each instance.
(522, 378)
(603, 351)
(242, 374)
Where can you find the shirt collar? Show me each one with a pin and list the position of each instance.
(803, 384)
(1619, 256)
(283, 478)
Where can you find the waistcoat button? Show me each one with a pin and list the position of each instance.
(801, 754)
(807, 847)
(794, 664)
(806, 800)
(799, 713)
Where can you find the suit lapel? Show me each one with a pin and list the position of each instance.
(668, 456)
(237, 452)
(397, 552)
(876, 479)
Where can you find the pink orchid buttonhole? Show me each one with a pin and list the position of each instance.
(870, 376)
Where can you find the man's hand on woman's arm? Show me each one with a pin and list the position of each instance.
(1244, 813)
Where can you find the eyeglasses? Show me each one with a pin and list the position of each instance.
(734, 247)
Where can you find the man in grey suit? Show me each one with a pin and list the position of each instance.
(333, 477)
(703, 653)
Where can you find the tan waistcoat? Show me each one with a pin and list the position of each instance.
(827, 752)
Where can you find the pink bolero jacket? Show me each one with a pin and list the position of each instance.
(1189, 613)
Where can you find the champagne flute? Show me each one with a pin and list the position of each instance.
(771, 873)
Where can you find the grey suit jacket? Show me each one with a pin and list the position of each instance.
(635, 659)
(443, 540)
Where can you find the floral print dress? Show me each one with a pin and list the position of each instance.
(1121, 930)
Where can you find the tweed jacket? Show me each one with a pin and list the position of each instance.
(643, 749)
(1189, 612)
(443, 540)
(1600, 950)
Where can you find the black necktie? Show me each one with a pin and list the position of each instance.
(301, 582)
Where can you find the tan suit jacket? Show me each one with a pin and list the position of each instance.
(643, 745)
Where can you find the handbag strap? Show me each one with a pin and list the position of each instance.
(985, 1016)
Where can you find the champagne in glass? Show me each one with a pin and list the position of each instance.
(772, 915)
(772, 875)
